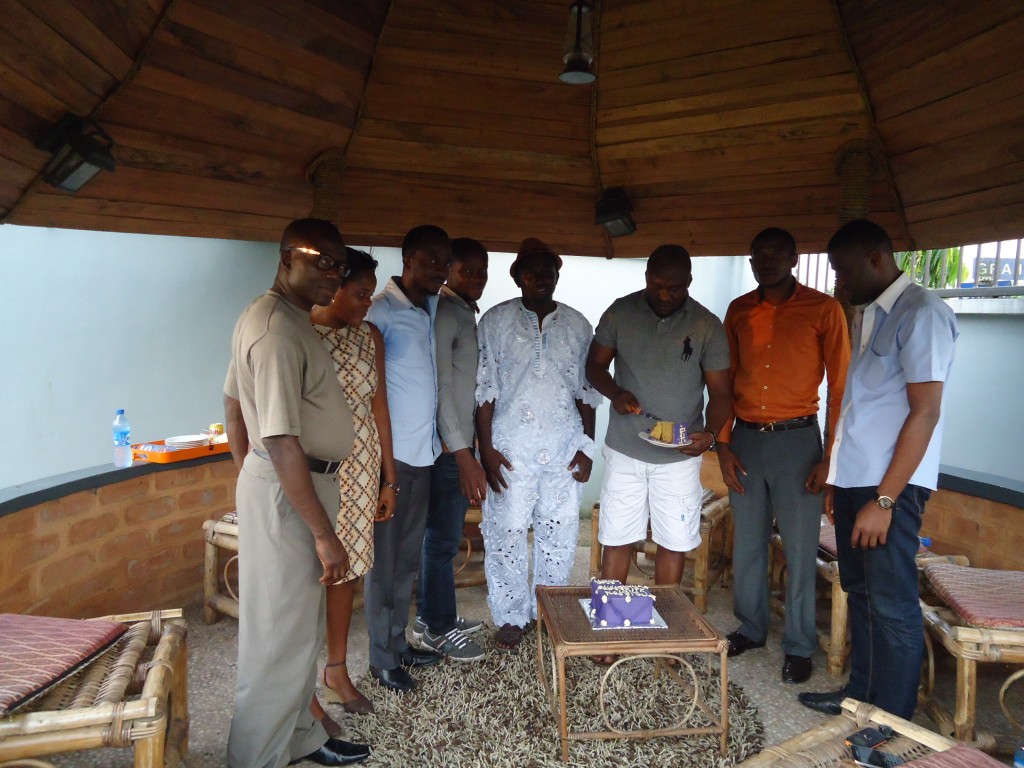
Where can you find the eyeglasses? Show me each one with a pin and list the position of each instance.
(324, 262)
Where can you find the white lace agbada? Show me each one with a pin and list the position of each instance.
(534, 376)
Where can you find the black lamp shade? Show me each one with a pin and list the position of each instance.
(613, 212)
(80, 150)
(578, 49)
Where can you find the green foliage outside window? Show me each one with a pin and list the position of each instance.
(914, 263)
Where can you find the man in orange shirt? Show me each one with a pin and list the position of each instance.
(783, 337)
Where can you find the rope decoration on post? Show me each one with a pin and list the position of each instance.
(324, 173)
(857, 164)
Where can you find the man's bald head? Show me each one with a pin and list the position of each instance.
(668, 276)
(669, 259)
(311, 233)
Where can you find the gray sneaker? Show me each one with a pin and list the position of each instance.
(465, 626)
(468, 626)
(453, 644)
(418, 628)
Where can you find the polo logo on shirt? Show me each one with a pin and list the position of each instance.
(687, 349)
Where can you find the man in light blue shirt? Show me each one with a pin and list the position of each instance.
(404, 312)
(885, 464)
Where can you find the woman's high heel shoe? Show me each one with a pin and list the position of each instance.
(360, 705)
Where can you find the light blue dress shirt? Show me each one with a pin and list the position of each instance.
(906, 336)
(410, 365)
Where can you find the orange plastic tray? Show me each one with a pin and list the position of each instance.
(184, 454)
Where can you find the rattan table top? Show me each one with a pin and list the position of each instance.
(570, 629)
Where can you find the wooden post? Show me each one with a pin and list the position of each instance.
(324, 173)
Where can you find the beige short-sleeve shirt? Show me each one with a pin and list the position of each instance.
(285, 380)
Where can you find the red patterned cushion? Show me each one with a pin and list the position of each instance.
(984, 598)
(959, 756)
(827, 538)
(37, 652)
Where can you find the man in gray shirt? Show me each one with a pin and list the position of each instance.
(666, 349)
(456, 478)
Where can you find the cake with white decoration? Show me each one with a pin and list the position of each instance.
(616, 605)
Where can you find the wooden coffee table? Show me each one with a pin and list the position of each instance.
(568, 632)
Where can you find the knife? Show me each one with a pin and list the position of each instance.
(649, 415)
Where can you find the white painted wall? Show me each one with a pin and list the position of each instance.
(95, 321)
(984, 413)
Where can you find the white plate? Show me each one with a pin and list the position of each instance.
(646, 437)
(188, 440)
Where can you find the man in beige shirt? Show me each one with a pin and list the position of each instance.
(282, 398)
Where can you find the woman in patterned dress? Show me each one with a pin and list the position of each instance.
(367, 477)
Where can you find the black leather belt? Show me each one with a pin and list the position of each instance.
(778, 426)
(322, 466)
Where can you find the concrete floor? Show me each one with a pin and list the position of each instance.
(212, 652)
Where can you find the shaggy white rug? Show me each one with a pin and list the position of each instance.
(494, 714)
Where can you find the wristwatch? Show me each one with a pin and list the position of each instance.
(885, 502)
(714, 441)
(393, 486)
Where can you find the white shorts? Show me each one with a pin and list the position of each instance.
(634, 490)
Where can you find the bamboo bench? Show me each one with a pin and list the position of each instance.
(981, 620)
(134, 695)
(835, 641)
(715, 524)
(825, 746)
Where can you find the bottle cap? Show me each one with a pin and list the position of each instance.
(119, 412)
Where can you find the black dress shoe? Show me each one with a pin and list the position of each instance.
(796, 669)
(738, 643)
(414, 657)
(396, 679)
(827, 703)
(337, 752)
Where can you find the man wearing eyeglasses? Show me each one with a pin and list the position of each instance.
(404, 312)
(282, 398)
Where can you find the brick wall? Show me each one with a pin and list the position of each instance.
(131, 546)
(989, 533)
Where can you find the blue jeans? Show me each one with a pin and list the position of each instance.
(435, 593)
(886, 627)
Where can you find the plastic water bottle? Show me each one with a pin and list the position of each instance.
(122, 439)
(1018, 756)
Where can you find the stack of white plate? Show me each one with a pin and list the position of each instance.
(187, 441)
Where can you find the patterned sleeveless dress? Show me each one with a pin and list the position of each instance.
(352, 350)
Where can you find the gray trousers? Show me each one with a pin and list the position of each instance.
(281, 624)
(396, 560)
(777, 465)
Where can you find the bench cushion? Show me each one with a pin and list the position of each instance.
(982, 597)
(37, 652)
(959, 756)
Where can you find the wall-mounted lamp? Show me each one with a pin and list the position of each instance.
(613, 211)
(578, 49)
(80, 149)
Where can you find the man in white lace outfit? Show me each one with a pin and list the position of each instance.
(535, 424)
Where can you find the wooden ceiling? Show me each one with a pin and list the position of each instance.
(718, 117)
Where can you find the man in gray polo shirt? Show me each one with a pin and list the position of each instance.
(666, 349)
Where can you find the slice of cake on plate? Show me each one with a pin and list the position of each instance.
(670, 432)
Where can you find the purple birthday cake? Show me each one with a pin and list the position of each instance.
(614, 604)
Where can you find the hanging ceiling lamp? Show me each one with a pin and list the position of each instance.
(614, 212)
(578, 49)
(80, 149)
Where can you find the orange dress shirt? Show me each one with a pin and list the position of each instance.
(780, 354)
